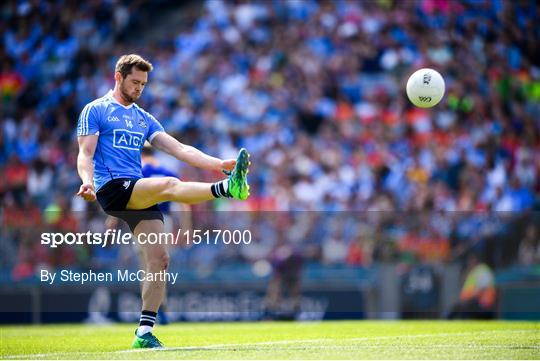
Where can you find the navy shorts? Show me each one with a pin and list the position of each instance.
(114, 197)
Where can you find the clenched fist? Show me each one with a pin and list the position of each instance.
(87, 192)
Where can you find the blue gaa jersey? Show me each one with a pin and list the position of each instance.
(148, 171)
(122, 131)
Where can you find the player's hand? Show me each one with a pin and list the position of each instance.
(228, 165)
(87, 192)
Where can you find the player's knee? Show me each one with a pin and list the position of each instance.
(165, 260)
(171, 186)
(159, 262)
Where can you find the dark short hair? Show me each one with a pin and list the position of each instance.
(127, 62)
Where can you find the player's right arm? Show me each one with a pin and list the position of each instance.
(87, 135)
(85, 166)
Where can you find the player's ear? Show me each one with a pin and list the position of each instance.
(117, 76)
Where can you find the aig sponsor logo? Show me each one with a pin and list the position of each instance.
(126, 139)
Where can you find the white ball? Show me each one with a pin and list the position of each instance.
(425, 88)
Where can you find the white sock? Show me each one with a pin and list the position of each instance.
(144, 329)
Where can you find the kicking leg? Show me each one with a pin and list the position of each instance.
(150, 191)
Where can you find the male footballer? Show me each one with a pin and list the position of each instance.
(111, 132)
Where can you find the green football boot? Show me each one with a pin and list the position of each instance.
(238, 185)
(148, 340)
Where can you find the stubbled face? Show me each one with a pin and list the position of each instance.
(133, 85)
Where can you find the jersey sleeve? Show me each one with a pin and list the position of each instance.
(154, 127)
(88, 123)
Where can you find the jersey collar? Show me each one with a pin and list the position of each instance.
(110, 96)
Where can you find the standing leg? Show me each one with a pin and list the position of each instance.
(154, 258)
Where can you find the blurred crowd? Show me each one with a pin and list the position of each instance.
(315, 91)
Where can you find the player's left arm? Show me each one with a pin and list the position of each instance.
(188, 154)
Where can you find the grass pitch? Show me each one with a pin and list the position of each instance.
(281, 340)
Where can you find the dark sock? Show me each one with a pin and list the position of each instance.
(148, 318)
(219, 189)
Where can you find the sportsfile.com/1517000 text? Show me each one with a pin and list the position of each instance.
(117, 237)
